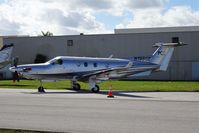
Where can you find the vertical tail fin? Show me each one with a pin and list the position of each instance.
(163, 54)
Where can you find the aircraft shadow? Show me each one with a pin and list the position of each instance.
(103, 92)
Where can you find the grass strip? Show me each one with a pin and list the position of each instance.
(137, 86)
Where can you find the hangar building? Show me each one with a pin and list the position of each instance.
(124, 43)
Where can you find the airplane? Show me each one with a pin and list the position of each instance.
(94, 70)
(5, 55)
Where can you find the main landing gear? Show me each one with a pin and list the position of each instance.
(95, 89)
(92, 84)
(41, 88)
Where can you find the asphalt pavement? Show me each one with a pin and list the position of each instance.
(85, 112)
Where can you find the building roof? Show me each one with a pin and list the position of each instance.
(13, 36)
(157, 29)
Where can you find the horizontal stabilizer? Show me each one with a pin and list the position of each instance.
(163, 54)
(169, 44)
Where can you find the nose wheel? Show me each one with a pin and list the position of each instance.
(41, 88)
(76, 86)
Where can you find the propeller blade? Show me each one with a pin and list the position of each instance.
(15, 74)
(15, 61)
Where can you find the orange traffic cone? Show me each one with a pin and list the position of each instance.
(110, 92)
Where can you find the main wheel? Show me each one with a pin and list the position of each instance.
(95, 89)
(41, 89)
(76, 86)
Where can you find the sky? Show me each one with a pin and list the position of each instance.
(72, 17)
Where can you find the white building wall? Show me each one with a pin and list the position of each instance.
(118, 45)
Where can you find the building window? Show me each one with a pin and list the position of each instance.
(175, 39)
(85, 64)
(69, 42)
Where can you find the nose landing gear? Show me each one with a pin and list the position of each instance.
(41, 88)
(76, 86)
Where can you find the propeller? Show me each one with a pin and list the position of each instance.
(15, 74)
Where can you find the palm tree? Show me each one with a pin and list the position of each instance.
(48, 33)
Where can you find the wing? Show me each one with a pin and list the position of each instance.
(103, 74)
(115, 73)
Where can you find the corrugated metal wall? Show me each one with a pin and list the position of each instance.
(118, 45)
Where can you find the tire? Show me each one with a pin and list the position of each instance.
(76, 86)
(41, 89)
(96, 89)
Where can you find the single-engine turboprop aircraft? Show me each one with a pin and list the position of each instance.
(95, 70)
(5, 55)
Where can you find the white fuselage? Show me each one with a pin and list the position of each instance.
(64, 67)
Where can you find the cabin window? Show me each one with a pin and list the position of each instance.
(85, 64)
(95, 64)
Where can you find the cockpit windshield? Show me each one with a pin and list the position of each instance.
(56, 61)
